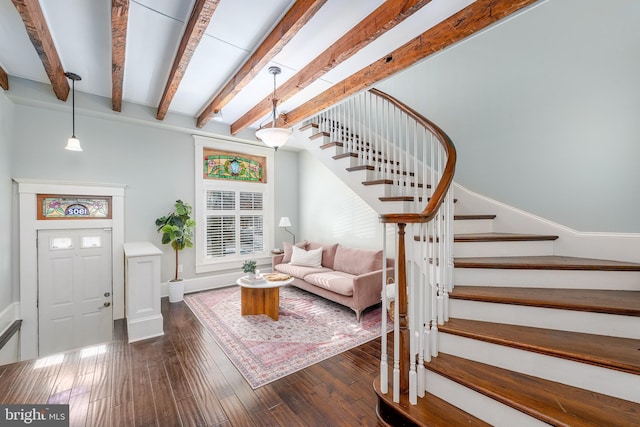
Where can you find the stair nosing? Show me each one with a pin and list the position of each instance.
(504, 295)
(594, 360)
(521, 401)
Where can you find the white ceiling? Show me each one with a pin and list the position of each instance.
(81, 31)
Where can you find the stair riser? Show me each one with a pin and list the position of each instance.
(549, 318)
(601, 380)
(566, 279)
(477, 404)
(473, 226)
(499, 249)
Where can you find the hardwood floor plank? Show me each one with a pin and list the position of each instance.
(102, 382)
(176, 377)
(99, 413)
(190, 413)
(165, 405)
(78, 410)
(144, 410)
(121, 379)
(238, 415)
(122, 415)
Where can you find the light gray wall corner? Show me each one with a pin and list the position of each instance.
(6, 213)
(544, 118)
(286, 175)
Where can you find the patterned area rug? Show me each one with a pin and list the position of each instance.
(309, 330)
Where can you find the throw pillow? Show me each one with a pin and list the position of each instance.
(287, 250)
(328, 252)
(357, 261)
(312, 258)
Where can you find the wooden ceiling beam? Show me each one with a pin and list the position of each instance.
(385, 17)
(4, 79)
(196, 26)
(295, 18)
(119, 24)
(38, 32)
(466, 22)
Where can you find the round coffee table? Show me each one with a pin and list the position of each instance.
(261, 298)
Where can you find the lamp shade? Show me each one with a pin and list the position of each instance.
(284, 222)
(274, 137)
(73, 144)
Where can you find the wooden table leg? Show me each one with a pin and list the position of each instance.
(260, 301)
(272, 302)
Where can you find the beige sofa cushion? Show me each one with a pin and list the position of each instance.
(299, 271)
(335, 281)
(357, 261)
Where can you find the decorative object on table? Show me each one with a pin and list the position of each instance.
(284, 223)
(276, 277)
(249, 266)
(310, 329)
(274, 136)
(177, 230)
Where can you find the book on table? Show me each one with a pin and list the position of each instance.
(251, 281)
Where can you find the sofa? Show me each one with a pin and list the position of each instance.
(347, 276)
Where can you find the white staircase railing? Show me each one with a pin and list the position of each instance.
(402, 149)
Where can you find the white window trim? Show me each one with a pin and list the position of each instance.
(206, 264)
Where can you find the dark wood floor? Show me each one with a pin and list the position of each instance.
(185, 379)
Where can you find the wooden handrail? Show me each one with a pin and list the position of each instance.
(441, 189)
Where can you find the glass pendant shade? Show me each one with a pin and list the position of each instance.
(73, 144)
(274, 137)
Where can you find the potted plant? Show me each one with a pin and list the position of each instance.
(177, 230)
(249, 266)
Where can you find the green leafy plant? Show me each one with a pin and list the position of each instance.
(249, 266)
(177, 229)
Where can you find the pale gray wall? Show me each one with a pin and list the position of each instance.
(543, 110)
(156, 164)
(6, 252)
(331, 212)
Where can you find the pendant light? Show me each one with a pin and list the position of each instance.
(73, 144)
(274, 136)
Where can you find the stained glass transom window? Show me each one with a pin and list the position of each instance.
(234, 166)
(73, 207)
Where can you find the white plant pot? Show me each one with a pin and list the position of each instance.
(176, 290)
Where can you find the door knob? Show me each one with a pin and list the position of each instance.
(105, 305)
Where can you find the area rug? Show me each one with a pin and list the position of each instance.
(309, 330)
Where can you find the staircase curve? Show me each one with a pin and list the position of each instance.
(525, 338)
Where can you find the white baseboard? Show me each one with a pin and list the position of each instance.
(197, 284)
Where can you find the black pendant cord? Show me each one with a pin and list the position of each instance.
(73, 108)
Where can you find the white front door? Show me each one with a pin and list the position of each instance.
(74, 289)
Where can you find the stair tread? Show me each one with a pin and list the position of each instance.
(549, 262)
(501, 237)
(548, 401)
(593, 300)
(622, 354)
(460, 217)
(430, 410)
